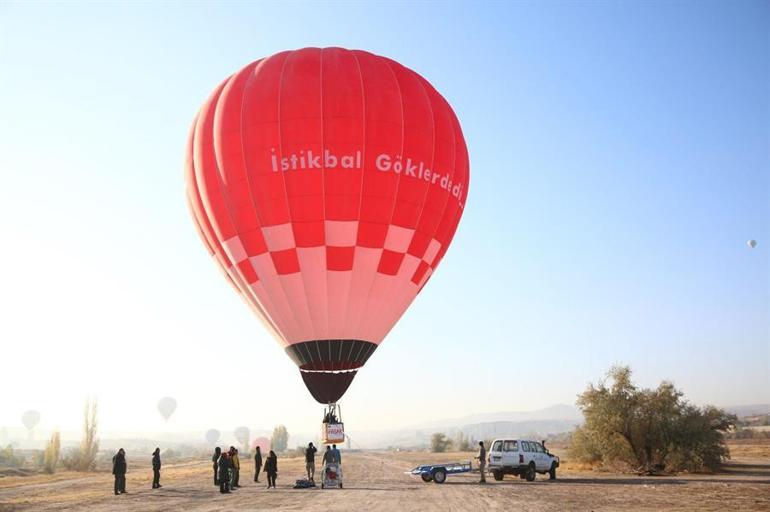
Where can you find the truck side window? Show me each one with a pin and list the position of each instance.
(527, 446)
(498, 447)
(510, 446)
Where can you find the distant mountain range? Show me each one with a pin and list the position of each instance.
(536, 424)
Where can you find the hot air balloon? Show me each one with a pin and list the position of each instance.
(242, 435)
(262, 442)
(30, 419)
(212, 436)
(166, 407)
(327, 184)
(751, 244)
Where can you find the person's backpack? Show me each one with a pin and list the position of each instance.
(303, 484)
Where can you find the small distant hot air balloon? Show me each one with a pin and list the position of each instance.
(212, 436)
(242, 435)
(166, 407)
(262, 442)
(30, 419)
(751, 243)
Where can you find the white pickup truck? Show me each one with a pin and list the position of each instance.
(521, 457)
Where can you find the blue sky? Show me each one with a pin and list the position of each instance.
(620, 159)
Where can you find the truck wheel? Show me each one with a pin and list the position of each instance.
(426, 477)
(552, 472)
(498, 475)
(340, 485)
(439, 476)
(531, 472)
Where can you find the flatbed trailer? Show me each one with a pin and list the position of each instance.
(437, 473)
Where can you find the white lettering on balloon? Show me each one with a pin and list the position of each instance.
(308, 160)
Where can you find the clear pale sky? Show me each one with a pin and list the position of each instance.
(620, 160)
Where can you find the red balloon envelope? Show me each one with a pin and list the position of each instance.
(328, 184)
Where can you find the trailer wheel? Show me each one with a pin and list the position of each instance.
(498, 475)
(439, 476)
(531, 472)
(426, 477)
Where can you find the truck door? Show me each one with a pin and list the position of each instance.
(510, 453)
(541, 459)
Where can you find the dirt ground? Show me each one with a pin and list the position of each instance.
(376, 481)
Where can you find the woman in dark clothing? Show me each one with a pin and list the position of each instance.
(271, 468)
(156, 469)
(224, 473)
(119, 468)
(257, 464)
(215, 460)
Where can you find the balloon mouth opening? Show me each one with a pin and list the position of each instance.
(330, 355)
(328, 366)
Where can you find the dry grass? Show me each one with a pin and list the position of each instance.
(376, 481)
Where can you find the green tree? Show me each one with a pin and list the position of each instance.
(439, 443)
(52, 451)
(280, 439)
(650, 429)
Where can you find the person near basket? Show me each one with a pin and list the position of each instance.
(310, 461)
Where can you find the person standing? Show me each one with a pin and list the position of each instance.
(119, 469)
(336, 456)
(215, 461)
(257, 464)
(156, 469)
(327, 458)
(310, 461)
(271, 468)
(482, 456)
(224, 473)
(235, 465)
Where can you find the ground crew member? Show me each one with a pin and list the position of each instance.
(235, 468)
(482, 462)
(336, 457)
(215, 460)
(156, 469)
(310, 461)
(257, 464)
(119, 468)
(224, 473)
(271, 468)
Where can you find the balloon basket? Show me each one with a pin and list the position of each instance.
(332, 427)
